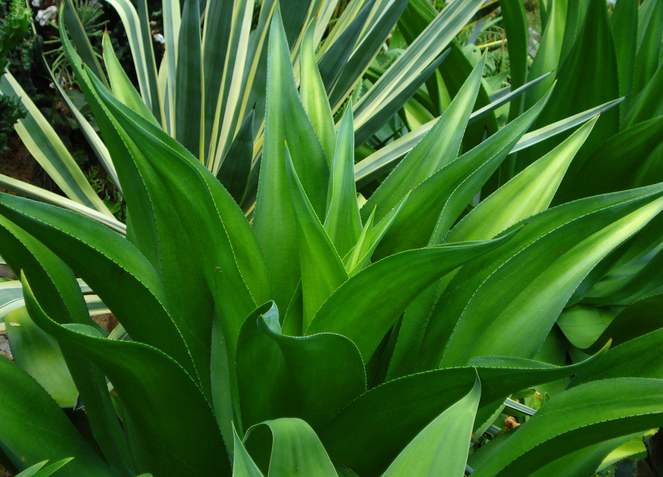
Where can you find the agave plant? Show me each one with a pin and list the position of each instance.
(320, 337)
(363, 24)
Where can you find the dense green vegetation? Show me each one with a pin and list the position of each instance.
(354, 238)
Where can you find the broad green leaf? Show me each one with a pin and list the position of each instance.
(144, 375)
(120, 83)
(377, 425)
(650, 31)
(44, 144)
(582, 462)
(95, 253)
(236, 167)
(189, 118)
(636, 357)
(295, 450)
(587, 77)
(314, 97)
(243, 465)
(310, 377)
(320, 265)
(285, 122)
(622, 159)
(61, 294)
(442, 446)
(39, 355)
(529, 193)
(583, 325)
(438, 148)
(536, 275)
(624, 26)
(365, 307)
(33, 428)
(342, 222)
(577, 418)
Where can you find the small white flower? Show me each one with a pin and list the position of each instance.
(36, 3)
(158, 37)
(45, 16)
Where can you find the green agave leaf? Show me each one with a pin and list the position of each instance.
(343, 222)
(321, 267)
(143, 375)
(314, 97)
(575, 419)
(536, 275)
(39, 355)
(583, 462)
(515, 25)
(310, 377)
(587, 77)
(624, 26)
(636, 357)
(295, 449)
(384, 289)
(549, 53)
(49, 151)
(120, 83)
(370, 430)
(647, 104)
(189, 119)
(438, 148)
(582, 325)
(622, 159)
(236, 167)
(32, 427)
(529, 193)
(243, 465)
(436, 203)
(61, 292)
(95, 254)
(650, 31)
(43, 470)
(443, 445)
(285, 122)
